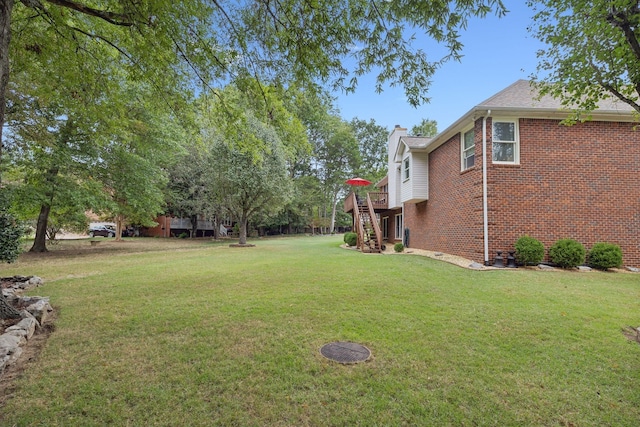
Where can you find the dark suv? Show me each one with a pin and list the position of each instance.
(102, 230)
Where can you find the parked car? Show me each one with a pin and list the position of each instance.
(102, 230)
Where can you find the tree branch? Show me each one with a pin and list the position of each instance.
(120, 19)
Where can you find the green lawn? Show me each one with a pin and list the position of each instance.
(174, 332)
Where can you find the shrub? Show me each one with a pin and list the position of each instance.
(398, 247)
(567, 253)
(351, 239)
(605, 255)
(11, 231)
(529, 251)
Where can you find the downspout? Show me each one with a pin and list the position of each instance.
(485, 209)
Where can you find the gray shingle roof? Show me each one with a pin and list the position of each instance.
(521, 95)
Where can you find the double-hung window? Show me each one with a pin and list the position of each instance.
(505, 140)
(468, 148)
(406, 171)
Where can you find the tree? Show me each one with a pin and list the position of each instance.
(189, 189)
(592, 52)
(426, 127)
(337, 158)
(173, 44)
(372, 144)
(247, 185)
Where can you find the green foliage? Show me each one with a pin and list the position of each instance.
(372, 144)
(591, 52)
(604, 256)
(529, 251)
(398, 247)
(567, 253)
(11, 231)
(351, 238)
(426, 128)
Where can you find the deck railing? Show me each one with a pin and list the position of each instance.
(374, 220)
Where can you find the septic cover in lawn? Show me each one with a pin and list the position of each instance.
(345, 352)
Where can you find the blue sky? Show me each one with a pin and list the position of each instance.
(497, 52)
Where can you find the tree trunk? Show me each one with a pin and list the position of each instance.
(194, 226)
(6, 6)
(7, 311)
(243, 229)
(333, 214)
(119, 223)
(40, 241)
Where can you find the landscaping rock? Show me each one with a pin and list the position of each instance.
(28, 325)
(633, 269)
(40, 309)
(584, 268)
(475, 265)
(9, 344)
(544, 267)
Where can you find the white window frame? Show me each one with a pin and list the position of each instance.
(406, 169)
(464, 151)
(399, 226)
(515, 142)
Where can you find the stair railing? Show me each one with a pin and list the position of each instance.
(374, 221)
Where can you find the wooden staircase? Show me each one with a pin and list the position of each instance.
(369, 238)
(367, 227)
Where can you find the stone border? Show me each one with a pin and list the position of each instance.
(37, 310)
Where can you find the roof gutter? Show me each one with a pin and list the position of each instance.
(485, 207)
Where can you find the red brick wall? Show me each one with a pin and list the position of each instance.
(451, 220)
(580, 182)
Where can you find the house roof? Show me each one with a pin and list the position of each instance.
(521, 95)
(412, 143)
(520, 99)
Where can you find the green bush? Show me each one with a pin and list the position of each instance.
(605, 255)
(567, 253)
(351, 239)
(11, 231)
(529, 251)
(398, 247)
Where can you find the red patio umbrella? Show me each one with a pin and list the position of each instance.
(358, 182)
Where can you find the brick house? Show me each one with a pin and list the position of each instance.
(540, 178)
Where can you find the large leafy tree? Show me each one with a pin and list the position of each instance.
(174, 44)
(250, 186)
(592, 51)
(372, 144)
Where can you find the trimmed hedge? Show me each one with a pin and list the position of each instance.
(567, 253)
(529, 251)
(351, 238)
(603, 256)
(398, 247)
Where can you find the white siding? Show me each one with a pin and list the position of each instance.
(416, 189)
(393, 171)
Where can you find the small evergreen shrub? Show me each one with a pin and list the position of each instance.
(605, 255)
(529, 251)
(351, 238)
(398, 247)
(567, 253)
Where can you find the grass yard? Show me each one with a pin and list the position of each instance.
(177, 332)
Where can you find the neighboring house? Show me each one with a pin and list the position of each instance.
(540, 178)
(169, 226)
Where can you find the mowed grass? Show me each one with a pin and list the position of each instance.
(182, 333)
